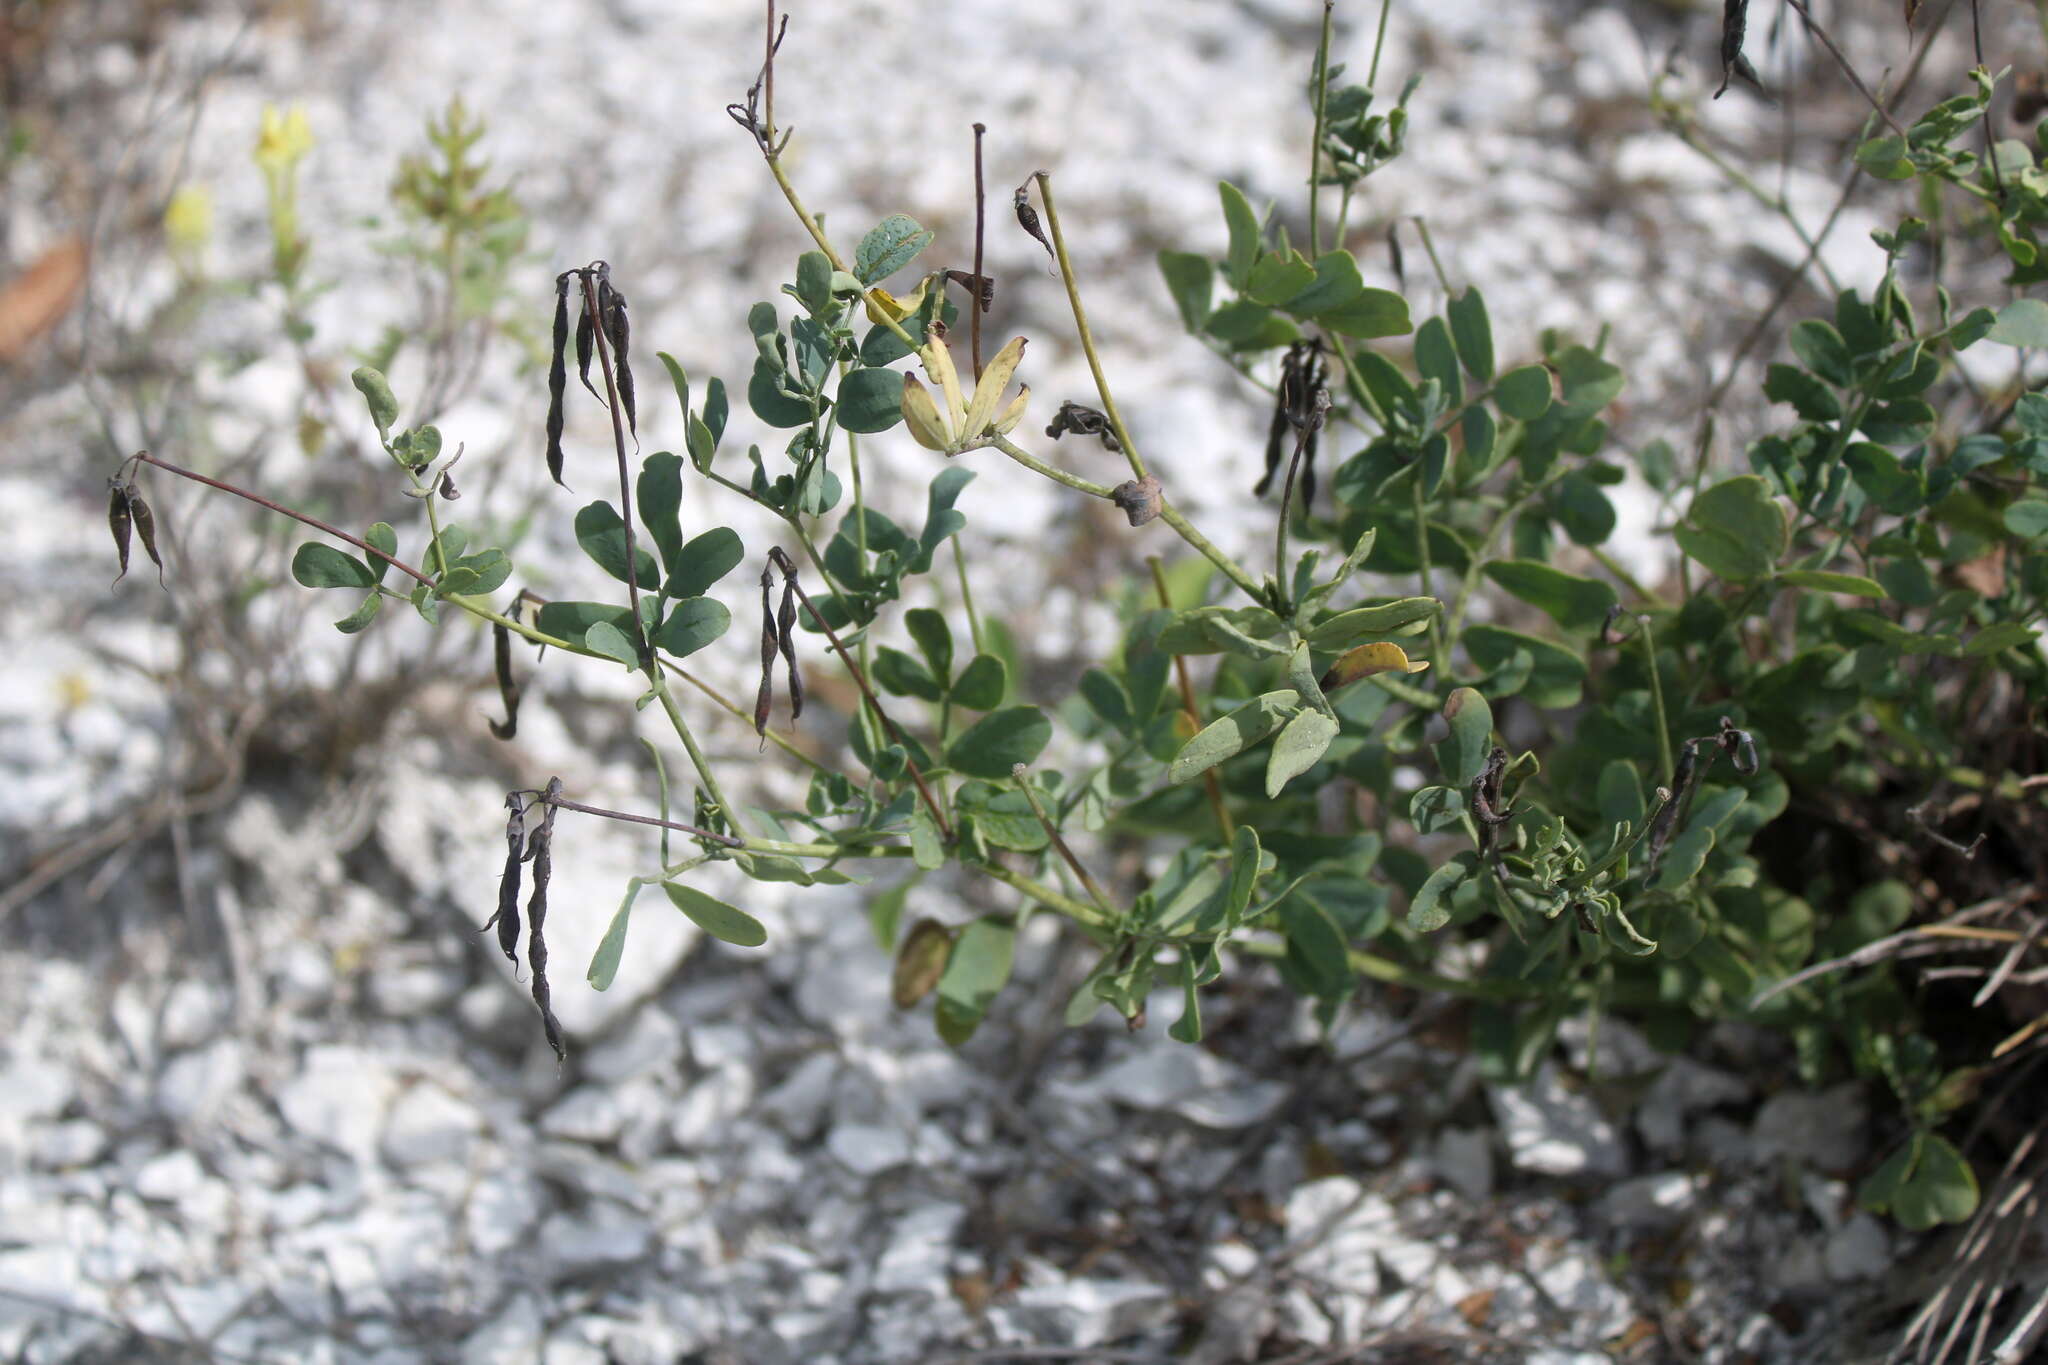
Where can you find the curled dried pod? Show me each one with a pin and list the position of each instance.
(508, 686)
(764, 698)
(1027, 218)
(611, 311)
(558, 373)
(540, 848)
(980, 286)
(506, 920)
(1140, 499)
(1487, 806)
(785, 626)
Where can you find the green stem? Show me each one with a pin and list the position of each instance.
(1095, 893)
(967, 596)
(1081, 911)
(1169, 514)
(1436, 628)
(697, 759)
(1379, 43)
(1443, 279)
(1628, 580)
(1395, 974)
(1657, 701)
(1059, 246)
(1315, 146)
(1038, 466)
(788, 850)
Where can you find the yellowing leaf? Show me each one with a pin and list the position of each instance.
(884, 307)
(1366, 660)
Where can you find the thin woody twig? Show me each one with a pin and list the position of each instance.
(1021, 774)
(980, 224)
(726, 840)
(146, 458)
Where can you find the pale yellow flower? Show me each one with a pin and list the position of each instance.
(285, 138)
(188, 221)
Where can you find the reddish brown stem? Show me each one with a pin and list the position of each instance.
(566, 804)
(146, 458)
(980, 219)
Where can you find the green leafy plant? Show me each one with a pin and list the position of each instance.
(1704, 786)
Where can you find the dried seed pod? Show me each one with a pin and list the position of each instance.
(1740, 746)
(966, 279)
(1027, 218)
(785, 625)
(540, 848)
(126, 513)
(120, 520)
(1300, 404)
(1666, 823)
(1394, 258)
(1734, 22)
(508, 687)
(558, 374)
(586, 328)
(611, 308)
(507, 918)
(1486, 794)
(145, 531)
(1140, 499)
(1082, 421)
(764, 699)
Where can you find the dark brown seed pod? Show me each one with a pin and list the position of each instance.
(1486, 793)
(558, 375)
(985, 294)
(1140, 499)
(1734, 23)
(508, 686)
(585, 333)
(764, 699)
(447, 489)
(120, 520)
(1666, 823)
(507, 918)
(145, 531)
(1299, 405)
(1394, 257)
(785, 626)
(1740, 746)
(611, 307)
(1027, 218)
(540, 848)
(1083, 421)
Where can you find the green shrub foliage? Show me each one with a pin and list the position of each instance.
(1437, 708)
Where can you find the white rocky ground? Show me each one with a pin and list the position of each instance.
(284, 1105)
